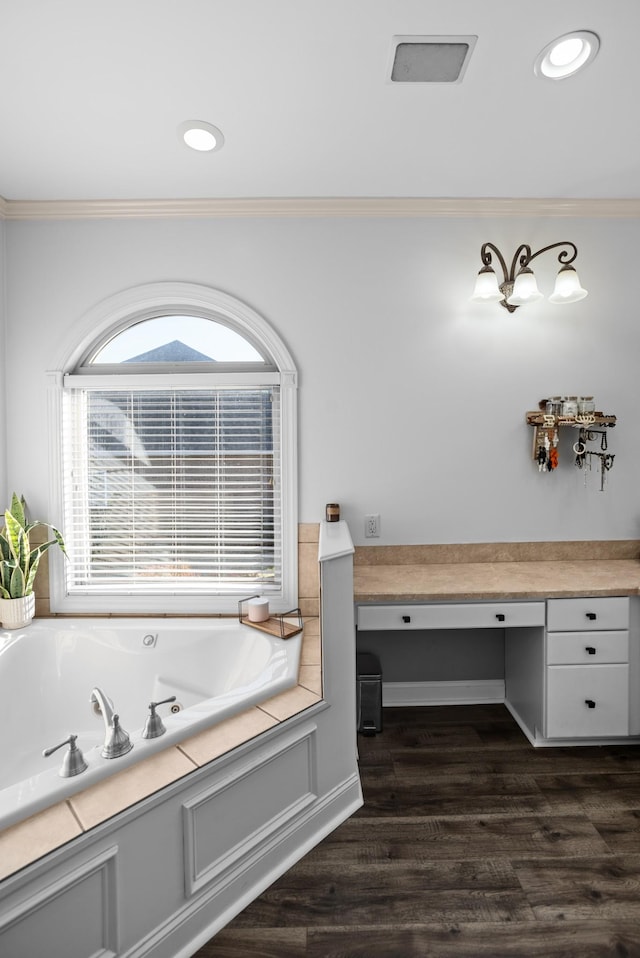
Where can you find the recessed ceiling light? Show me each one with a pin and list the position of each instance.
(565, 56)
(201, 136)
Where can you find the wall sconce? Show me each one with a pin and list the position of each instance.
(518, 288)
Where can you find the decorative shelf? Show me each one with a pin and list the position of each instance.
(550, 421)
(546, 426)
(276, 624)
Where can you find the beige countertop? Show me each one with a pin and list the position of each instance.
(419, 574)
(495, 580)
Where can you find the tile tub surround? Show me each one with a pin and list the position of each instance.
(29, 840)
(479, 571)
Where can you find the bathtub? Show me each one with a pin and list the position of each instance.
(215, 668)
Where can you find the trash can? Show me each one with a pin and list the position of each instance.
(368, 693)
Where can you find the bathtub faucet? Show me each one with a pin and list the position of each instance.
(116, 740)
(103, 705)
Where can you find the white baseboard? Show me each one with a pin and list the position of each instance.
(538, 740)
(443, 693)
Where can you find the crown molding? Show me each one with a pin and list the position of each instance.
(318, 207)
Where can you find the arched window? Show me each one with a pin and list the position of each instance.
(178, 463)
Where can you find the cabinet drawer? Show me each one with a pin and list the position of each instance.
(464, 615)
(587, 701)
(605, 612)
(588, 648)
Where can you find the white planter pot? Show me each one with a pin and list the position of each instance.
(16, 613)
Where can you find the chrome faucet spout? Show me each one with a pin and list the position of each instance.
(103, 704)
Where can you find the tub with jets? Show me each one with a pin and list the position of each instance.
(202, 670)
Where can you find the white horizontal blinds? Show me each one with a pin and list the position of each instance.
(173, 490)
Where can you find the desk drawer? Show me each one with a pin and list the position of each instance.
(604, 612)
(587, 701)
(464, 615)
(588, 648)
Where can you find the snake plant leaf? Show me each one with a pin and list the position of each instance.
(59, 541)
(6, 568)
(34, 561)
(23, 551)
(17, 584)
(4, 549)
(17, 509)
(44, 546)
(14, 531)
(56, 541)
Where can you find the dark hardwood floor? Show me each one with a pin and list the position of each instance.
(470, 844)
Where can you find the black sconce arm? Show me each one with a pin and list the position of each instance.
(523, 256)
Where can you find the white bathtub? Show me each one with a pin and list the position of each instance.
(215, 668)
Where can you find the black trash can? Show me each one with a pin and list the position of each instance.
(368, 693)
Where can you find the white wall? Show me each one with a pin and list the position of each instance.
(412, 400)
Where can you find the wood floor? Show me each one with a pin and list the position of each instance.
(470, 844)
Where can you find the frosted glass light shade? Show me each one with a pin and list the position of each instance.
(525, 288)
(486, 288)
(568, 288)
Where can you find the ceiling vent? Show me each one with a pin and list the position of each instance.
(430, 59)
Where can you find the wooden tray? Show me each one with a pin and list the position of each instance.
(274, 626)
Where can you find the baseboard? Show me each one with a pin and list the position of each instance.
(538, 741)
(443, 693)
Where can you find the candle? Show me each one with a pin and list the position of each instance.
(258, 610)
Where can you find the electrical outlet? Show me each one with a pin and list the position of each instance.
(372, 526)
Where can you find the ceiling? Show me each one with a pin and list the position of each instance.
(93, 94)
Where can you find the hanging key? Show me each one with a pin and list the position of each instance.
(606, 463)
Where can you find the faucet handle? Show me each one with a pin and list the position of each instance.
(154, 726)
(73, 762)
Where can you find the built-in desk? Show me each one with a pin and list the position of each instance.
(562, 620)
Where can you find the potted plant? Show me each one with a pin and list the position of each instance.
(19, 564)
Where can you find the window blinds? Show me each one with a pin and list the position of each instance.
(172, 490)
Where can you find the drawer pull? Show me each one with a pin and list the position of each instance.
(406, 618)
(500, 616)
(591, 615)
(590, 703)
(590, 649)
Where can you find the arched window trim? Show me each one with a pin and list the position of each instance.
(115, 314)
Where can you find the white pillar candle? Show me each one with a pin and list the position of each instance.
(258, 610)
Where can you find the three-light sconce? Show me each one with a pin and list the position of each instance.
(519, 285)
